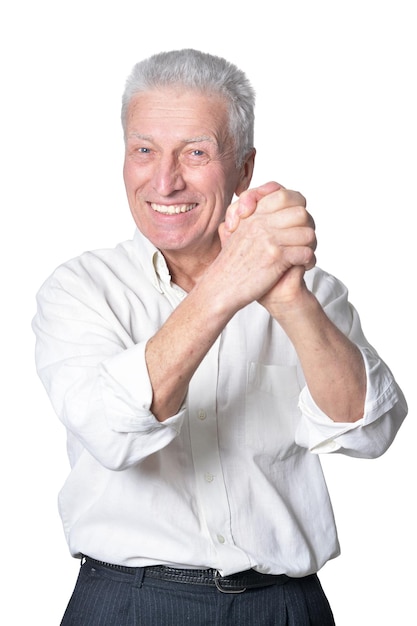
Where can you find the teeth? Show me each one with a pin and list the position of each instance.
(171, 209)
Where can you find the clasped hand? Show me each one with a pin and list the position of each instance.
(268, 242)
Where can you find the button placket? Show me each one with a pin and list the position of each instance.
(210, 483)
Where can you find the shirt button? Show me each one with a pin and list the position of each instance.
(208, 477)
(202, 414)
(221, 539)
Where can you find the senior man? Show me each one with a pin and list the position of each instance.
(200, 369)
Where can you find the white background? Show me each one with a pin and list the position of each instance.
(336, 120)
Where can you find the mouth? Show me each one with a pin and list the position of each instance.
(172, 209)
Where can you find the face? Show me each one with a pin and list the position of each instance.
(179, 171)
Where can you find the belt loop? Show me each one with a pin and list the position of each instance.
(139, 575)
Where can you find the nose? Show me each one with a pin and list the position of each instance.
(167, 176)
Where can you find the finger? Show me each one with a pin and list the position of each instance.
(295, 236)
(302, 256)
(231, 220)
(246, 205)
(224, 234)
(280, 200)
(289, 217)
(249, 199)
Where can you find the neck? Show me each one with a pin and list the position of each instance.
(186, 269)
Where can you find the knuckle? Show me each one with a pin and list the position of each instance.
(310, 258)
(311, 238)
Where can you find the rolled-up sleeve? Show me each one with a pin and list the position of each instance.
(385, 406)
(127, 403)
(95, 372)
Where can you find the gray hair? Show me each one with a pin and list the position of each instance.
(204, 72)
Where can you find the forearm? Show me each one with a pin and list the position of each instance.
(333, 366)
(176, 350)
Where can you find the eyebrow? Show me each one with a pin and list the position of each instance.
(198, 139)
(140, 136)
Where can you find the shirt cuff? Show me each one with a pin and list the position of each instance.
(319, 433)
(127, 394)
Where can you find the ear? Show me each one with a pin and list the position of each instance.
(246, 173)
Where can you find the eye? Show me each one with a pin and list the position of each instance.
(196, 157)
(143, 150)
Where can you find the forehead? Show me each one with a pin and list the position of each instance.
(178, 111)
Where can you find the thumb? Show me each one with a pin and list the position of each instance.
(247, 202)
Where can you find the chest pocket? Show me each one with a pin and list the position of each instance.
(271, 413)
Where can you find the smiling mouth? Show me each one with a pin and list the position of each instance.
(172, 209)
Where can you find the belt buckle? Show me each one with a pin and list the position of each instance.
(217, 579)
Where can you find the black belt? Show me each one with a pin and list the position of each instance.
(235, 583)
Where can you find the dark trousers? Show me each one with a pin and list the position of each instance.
(107, 597)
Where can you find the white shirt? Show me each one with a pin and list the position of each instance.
(234, 480)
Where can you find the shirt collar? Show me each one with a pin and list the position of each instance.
(152, 261)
